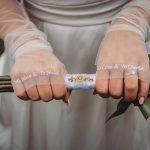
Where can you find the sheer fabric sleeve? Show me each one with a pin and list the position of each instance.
(135, 17)
(19, 33)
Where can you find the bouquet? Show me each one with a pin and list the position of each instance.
(81, 81)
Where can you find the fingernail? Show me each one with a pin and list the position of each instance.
(141, 100)
(66, 97)
(94, 93)
(68, 101)
(65, 101)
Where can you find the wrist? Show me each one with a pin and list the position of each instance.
(122, 25)
(30, 46)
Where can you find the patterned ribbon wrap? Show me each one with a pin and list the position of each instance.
(80, 81)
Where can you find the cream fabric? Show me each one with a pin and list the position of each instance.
(80, 126)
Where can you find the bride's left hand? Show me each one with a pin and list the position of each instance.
(122, 48)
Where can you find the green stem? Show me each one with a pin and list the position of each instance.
(7, 90)
(5, 78)
(6, 86)
(5, 83)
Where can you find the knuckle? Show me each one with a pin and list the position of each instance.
(60, 94)
(130, 98)
(143, 92)
(20, 73)
(46, 94)
(115, 90)
(130, 86)
(144, 88)
(47, 97)
(101, 90)
(33, 96)
(115, 93)
(22, 96)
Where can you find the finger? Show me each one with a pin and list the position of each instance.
(130, 87)
(144, 78)
(116, 84)
(31, 89)
(19, 88)
(44, 88)
(67, 95)
(143, 91)
(58, 86)
(102, 83)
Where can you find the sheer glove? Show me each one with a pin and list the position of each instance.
(122, 61)
(37, 73)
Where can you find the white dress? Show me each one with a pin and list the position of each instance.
(75, 29)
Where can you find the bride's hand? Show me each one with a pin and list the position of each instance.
(39, 75)
(124, 48)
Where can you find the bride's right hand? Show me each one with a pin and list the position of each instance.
(39, 75)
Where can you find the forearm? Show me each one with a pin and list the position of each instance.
(11, 17)
(20, 35)
(135, 16)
